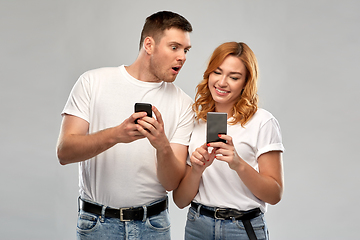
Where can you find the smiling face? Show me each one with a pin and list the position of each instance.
(169, 54)
(226, 83)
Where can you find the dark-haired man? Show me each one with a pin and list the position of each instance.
(126, 168)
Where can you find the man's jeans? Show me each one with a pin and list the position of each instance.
(92, 226)
(202, 227)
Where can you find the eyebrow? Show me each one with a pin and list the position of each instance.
(179, 44)
(231, 72)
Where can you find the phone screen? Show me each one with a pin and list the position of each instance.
(216, 124)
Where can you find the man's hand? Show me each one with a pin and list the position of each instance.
(153, 129)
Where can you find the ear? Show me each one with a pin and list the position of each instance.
(149, 45)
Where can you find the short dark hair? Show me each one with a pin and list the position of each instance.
(157, 23)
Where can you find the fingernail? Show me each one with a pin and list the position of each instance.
(219, 135)
(204, 163)
(208, 144)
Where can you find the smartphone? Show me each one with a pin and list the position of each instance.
(216, 124)
(143, 107)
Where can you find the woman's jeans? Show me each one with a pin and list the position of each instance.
(92, 226)
(203, 227)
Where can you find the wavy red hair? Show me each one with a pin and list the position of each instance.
(247, 104)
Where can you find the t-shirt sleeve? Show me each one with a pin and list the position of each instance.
(186, 123)
(78, 103)
(269, 138)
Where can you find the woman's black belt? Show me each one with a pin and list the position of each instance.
(230, 213)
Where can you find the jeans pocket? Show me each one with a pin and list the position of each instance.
(160, 222)
(191, 216)
(87, 221)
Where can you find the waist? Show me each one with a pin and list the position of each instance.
(124, 214)
(226, 213)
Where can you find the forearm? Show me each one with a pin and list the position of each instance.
(170, 169)
(263, 187)
(187, 189)
(74, 148)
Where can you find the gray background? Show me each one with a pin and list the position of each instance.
(308, 52)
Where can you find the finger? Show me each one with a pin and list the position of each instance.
(195, 161)
(157, 114)
(142, 129)
(137, 115)
(198, 156)
(227, 138)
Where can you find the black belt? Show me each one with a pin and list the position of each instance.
(124, 214)
(229, 213)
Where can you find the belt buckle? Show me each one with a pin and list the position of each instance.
(122, 215)
(215, 214)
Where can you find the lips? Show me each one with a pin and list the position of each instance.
(221, 91)
(176, 69)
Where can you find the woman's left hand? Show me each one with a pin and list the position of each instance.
(226, 151)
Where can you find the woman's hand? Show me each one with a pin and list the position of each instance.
(226, 151)
(267, 184)
(201, 158)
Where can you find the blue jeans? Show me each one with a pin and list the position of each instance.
(203, 227)
(95, 227)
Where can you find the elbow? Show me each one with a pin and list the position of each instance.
(275, 199)
(180, 204)
(63, 159)
(170, 187)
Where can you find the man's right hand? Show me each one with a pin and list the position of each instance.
(76, 145)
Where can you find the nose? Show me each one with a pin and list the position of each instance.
(222, 81)
(181, 57)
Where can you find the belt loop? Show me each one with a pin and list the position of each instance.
(102, 217)
(145, 213)
(198, 210)
(79, 204)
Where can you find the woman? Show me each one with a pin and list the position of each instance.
(229, 184)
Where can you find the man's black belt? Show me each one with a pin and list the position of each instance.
(229, 213)
(124, 214)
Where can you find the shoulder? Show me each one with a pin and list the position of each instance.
(104, 71)
(178, 92)
(264, 114)
(261, 117)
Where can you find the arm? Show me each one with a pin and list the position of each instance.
(171, 158)
(76, 145)
(267, 184)
(189, 186)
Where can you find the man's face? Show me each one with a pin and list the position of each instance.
(169, 55)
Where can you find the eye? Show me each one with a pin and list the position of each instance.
(217, 72)
(186, 50)
(173, 47)
(234, 78)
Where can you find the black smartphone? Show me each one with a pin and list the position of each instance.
(216, 124)
(143, 107)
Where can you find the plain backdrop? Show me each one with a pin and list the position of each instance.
(308, 53)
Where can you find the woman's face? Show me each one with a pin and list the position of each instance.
(226, 83)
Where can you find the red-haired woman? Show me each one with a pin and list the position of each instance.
(229, 184)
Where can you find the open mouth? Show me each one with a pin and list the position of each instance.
(176, 69)
(221, 91)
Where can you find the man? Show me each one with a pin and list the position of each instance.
(126, 168)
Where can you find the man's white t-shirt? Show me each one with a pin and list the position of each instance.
(221, 186)
(125, 175)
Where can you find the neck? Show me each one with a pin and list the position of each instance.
(226, 108)
(140, 68)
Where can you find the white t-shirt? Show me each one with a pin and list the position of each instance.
(221, 186)
(125, 175)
